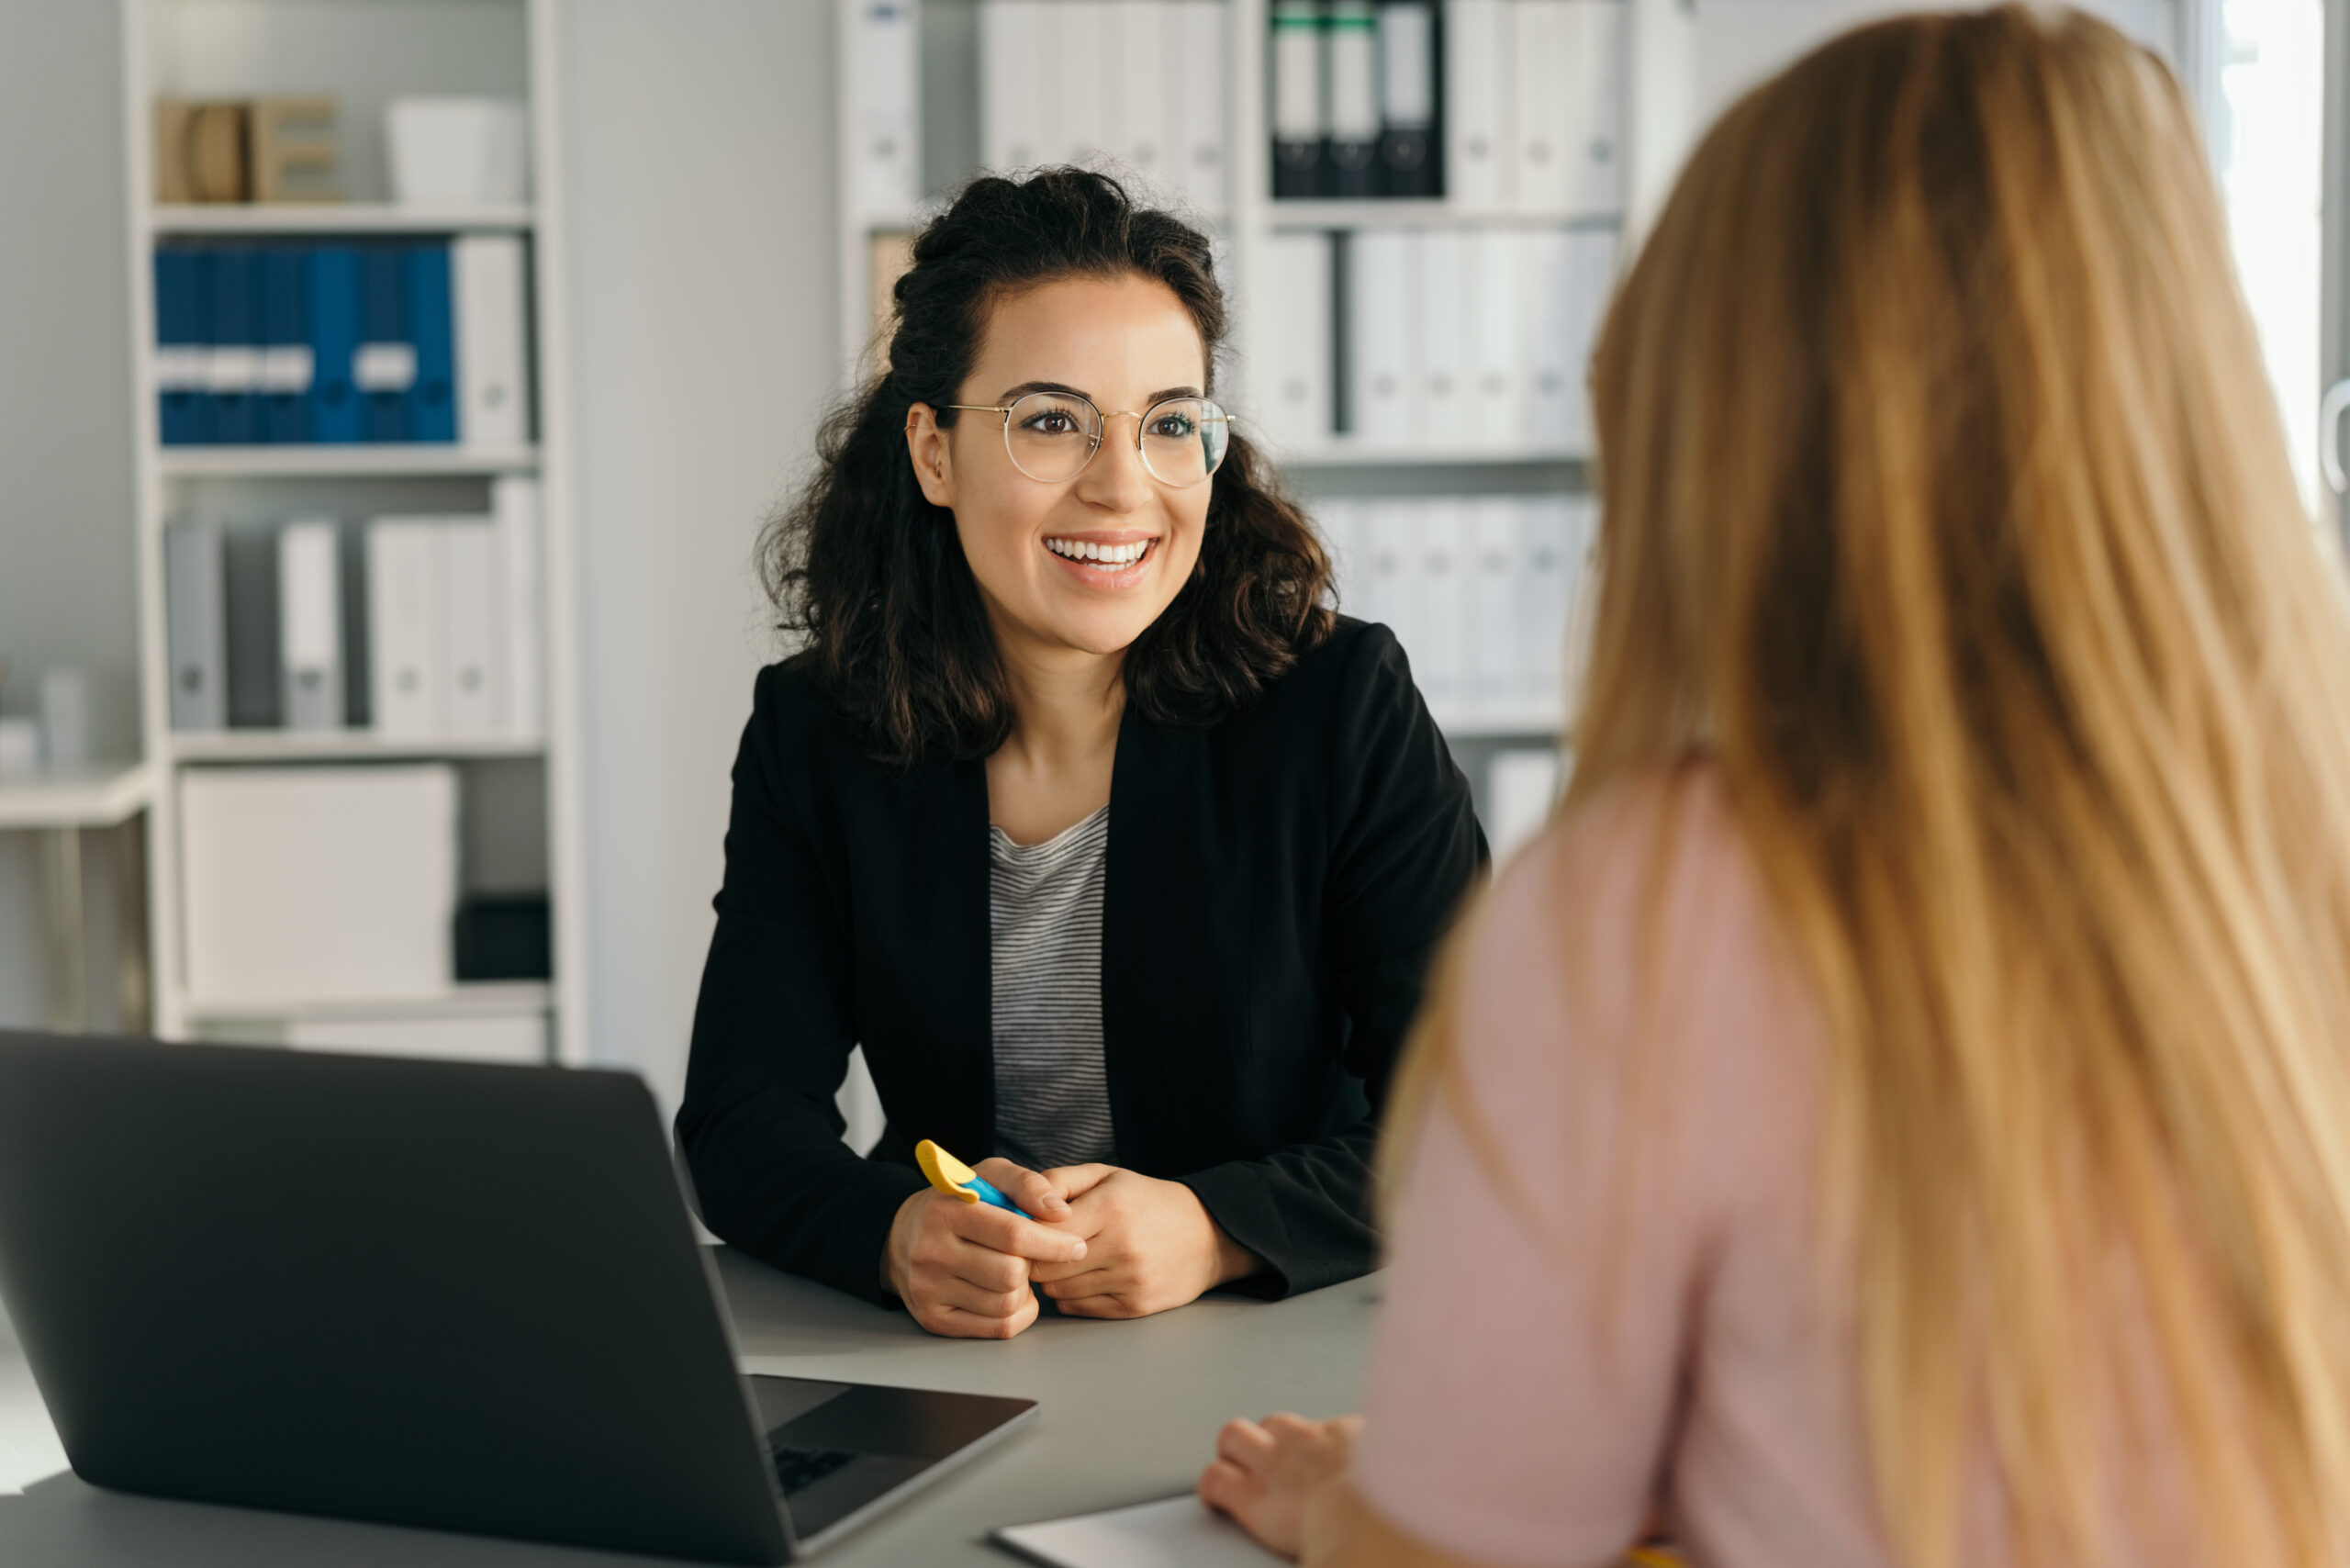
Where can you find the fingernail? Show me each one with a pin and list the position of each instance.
(1079, 1254)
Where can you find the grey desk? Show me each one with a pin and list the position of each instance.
(1129, 1413)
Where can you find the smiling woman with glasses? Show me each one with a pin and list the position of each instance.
(1079, 810)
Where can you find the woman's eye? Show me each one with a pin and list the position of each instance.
(1172, 425)
(1053, 424)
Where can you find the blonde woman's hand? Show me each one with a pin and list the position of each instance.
(1269, 1474)
(1149, 1245)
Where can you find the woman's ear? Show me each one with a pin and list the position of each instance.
(927, 449)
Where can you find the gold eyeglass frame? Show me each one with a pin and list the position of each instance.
(1141, 420)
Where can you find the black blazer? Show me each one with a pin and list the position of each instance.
(1276, 884)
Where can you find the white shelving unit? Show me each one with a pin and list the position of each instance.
(345, 462)
(364, 51)
(340, 218)
(1658, 98)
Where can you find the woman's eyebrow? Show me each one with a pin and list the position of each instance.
(1012, 393)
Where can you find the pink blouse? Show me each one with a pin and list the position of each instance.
(1606, 1287)
(1608, 1290)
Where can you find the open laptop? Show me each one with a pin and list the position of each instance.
(431, 1293)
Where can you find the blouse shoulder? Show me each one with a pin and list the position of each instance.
(1634, 942)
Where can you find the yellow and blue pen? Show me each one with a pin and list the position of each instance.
(958, 1181)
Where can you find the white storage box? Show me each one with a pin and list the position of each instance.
(458, 151)
(319, 884)
(505, 1038)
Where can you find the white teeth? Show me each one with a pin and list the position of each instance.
(1104, 554)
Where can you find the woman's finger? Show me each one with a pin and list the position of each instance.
(991, 1226)
(978, 1299)
(1076, 1181)
(1224, 1485)
(1029, 1190)
(1244, 1443)
(1075, 1284)
(956, 1323)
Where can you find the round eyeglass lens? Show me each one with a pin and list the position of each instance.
(1052, 435)
(1183, 440)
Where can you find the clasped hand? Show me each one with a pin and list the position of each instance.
(1105, 1242)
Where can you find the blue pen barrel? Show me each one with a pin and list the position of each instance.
(988, 1194)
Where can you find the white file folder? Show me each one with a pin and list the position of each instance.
(406, 624)
(1546, 292)
(1498, 356)
(1479, 79)
(1384, 335)
(1205, 70)
(1444, 312)
(1339, 522)
(1440, 651)
(1011, 133)
(469, 556)
(1294, 394)
(489, 299)
(1542, 104)
(1085, 94)
(886, 55)
(1550, 552)
(195, 606)
(309, 625)
(1390, 577)
(514, 511)
(1497, 643)
(1133, 59)
(1592, 81)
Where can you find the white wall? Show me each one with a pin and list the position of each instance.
(698, 151)
(67, 594)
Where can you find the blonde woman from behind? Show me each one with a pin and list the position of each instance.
(1900, 1111)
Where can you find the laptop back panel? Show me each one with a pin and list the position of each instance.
(441, 1295)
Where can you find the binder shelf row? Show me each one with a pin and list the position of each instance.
(1503, 105)
(1446, 342)
(333, 636)
(346, 341)
(1478, 589)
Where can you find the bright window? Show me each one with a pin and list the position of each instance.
(2267, 137)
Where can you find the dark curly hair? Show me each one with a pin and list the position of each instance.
(874, 575)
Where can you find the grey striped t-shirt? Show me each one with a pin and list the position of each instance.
(1052, 1098)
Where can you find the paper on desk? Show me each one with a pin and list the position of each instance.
(1175, 1532)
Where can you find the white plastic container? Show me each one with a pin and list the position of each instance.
(19, 748)
(458, 151)
(307, 885)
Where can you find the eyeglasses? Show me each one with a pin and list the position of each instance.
(1051, 436)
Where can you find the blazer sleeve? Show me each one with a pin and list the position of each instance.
(759, 1126)
(1405, 852)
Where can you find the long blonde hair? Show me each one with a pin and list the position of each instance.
(1947, 512)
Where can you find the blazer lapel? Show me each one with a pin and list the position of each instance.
(962, 1095)
(1153, 771)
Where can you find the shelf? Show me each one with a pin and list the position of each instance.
(1353, 456)
(1425, 215)
(333, 217)
(91, 797)
(305, 461)
(1500, 723)
(495, 998)
(340, 745)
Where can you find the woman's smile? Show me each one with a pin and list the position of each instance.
(1105, 558)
